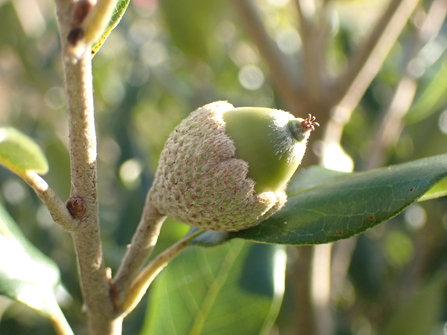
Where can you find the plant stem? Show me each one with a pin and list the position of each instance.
(143, 242)
(60, 323)
(286, 85)
(367, 61)
(321, 289)
(82, 146)
(304, 323)
(312, 32)
(390, 125)
(97, 20)
(61, 216)
(148, 274)
(89, 21)
(87, 237)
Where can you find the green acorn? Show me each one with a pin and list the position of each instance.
(226, 168)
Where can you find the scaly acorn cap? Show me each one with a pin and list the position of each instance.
(226, 168)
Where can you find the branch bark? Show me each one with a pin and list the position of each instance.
(313, 35)
(142, 245)
(141, 283)
(102, 319)
(365, 65)
(368, 59)
(304, 323)
(60, 324)
(87, 237)
(391, 122)
(59, 212)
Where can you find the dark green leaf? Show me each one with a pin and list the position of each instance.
(235, 288)
(19, 153)
(349, 205)
(326, 206)
(313, 176)
(304, 179)
(26, 275)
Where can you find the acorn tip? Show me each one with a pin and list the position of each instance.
(309, 123)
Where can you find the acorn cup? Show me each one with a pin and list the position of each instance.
(226, 168)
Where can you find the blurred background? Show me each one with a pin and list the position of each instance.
(373, 72)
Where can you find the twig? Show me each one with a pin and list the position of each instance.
(362, 70)
(312, 32)
(59, 212)
(87, 237)
(341, 260)
(321, 288)
(352, 84)
(143, 242)
(145, 278)
(364, 67)
(390, 125)
(87, 26)
(82, 145)
(97, 20)
(60, 323)
(285, 84)
(389, 128)
(304, 323)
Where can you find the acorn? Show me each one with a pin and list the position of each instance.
(226, 168)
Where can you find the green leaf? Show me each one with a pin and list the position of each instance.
(190, 24)
(118, 14)
(20, 153)
(326, 206)
(235, 288)
(26, 275)
(431, 98)
(311, 177)
(422, 312)
(437, 191)
(348, 205)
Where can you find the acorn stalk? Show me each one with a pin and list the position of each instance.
(226, 168)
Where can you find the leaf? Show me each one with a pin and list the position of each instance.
(235, 288)
(437, 191)
(190, 24)
(305, 178)
(20, 153)
(431, 99)
(349, 205)
(313, 176)
(420, 314)
(326, 206)
(26, 275)
(118, 14)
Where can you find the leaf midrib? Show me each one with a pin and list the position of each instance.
(213, 290)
